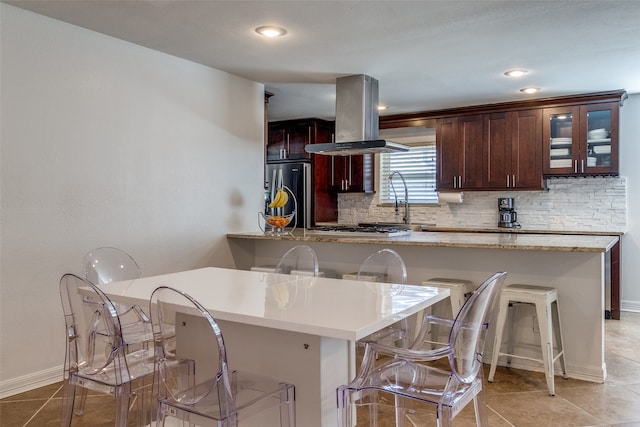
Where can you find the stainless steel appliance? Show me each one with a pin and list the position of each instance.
(359, 230)
(507, 216)
(357, 120)
(296, 176)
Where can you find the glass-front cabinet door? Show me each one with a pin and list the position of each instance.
(599, 136)
(561, 140)
(581, 140)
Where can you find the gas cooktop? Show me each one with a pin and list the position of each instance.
(358, 231)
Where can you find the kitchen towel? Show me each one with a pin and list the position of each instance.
(450, 197)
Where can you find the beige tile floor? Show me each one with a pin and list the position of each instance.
(516, 398)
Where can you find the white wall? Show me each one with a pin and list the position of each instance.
(104, 142)
(629, 167)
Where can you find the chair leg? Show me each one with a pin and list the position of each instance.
(546, 332)
(344, 407)
(122, 405)
(160, 414)
(82, 400)
(480, 406)
(68, 400)
(443, 416)
(497, 342)
(287, 406)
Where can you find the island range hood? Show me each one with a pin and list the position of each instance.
(356, 120)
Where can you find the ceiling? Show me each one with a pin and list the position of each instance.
(427, 55)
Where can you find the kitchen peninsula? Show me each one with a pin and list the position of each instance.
(574, 264)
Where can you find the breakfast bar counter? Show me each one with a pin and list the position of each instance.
(488, 240)
(577, 265)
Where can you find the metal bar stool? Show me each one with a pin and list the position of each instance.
(545, 301)
(459, 290)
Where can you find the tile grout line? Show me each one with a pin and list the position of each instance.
(43, 405)
(500, 415)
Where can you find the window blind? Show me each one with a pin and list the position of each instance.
(417, 166)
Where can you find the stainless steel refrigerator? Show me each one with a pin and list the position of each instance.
(297, 177)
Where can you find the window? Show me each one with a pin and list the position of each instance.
(417, 166)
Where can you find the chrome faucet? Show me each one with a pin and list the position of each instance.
(407, 218)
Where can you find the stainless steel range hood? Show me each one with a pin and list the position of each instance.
(356, 120)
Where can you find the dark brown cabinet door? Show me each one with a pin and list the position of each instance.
(526, 150)
(470, 134)
(513, 150)
(276, 143)
(459, 153)
(497, 150)
(352, 173)
(299, 135)
(287, 139)
(448, 160)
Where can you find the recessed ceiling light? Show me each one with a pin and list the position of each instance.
(382, 107)
(515, 73)
(530, 89)
(269, 31)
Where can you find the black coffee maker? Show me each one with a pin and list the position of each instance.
(507, 216)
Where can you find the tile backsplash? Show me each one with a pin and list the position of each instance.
(568, 204)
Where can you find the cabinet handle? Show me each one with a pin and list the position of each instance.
(454, 182)
(507, 181)
(459, 181)
(582, 165)
(286, 154)
(513, 181)
(575, 166)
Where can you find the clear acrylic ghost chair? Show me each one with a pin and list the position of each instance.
(197, 386)
(96, 360)
(404, 381)
(300, 260)
(107, 264)
(386, 266)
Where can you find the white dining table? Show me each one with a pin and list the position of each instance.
(298, 329)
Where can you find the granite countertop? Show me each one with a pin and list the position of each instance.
(488, 240)
(519, 231)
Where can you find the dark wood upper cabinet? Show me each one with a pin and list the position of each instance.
(581, 140)
(286, 139)
(514, 145)
(459, 153)
(512, 150)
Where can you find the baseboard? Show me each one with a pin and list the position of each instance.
(628, 305)
(30, 381)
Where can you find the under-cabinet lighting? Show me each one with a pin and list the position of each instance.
(530, 89)
(270, 31)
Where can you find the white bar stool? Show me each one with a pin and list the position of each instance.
(459, 290)
(545, 301)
